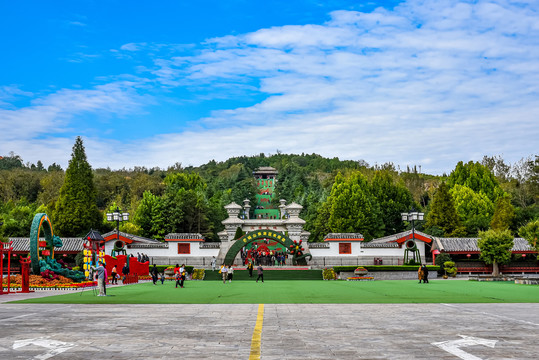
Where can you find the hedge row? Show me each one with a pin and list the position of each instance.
(161, 268)
(374, 268)
(269, 275)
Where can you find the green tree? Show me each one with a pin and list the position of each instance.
(239, 233)
(495, 248)
(2, 237)
(148, 216)
(352, 207)
(50, 189)
(477, 177)
(10, 162)
(504, 213)
(393, 199)
(76, 210)
(530, 232)
(474, 208)
(442, 213)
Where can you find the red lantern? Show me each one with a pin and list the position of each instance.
(523, 255)
(468, 256)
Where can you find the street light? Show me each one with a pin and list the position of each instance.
(411, 245)
(118, 216)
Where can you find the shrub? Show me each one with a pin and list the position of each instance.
(162, 268)
(198, 274)
(329, 274)
(372, 268)
(450, 269)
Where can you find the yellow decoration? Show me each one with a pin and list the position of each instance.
(85, 252)
(86, 273)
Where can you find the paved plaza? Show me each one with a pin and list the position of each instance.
(289, 331)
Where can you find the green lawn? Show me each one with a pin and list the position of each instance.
(315, 292)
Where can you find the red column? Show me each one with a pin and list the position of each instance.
(25, 274)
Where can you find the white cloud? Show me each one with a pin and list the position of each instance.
(433, 82)
(132, 46)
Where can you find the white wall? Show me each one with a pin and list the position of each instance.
(357, 250)
(334, 249)
(171, 251)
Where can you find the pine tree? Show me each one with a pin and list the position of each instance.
(442, 212)
(530, 232)
(76, 210)
(504, 213)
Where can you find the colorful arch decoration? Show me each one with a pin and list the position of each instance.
(298, 257)
(40, 249)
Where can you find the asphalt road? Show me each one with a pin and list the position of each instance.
(288, 331)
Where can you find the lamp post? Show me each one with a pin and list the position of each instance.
(412, 216)
(118, 216)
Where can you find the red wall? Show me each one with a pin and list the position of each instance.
(135, 267)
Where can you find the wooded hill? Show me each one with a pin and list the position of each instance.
(336, 195)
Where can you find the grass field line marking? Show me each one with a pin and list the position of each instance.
(493, 315)
(257, 334)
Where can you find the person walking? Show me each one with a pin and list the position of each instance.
(182, 275)
(101, 279)
(224, 273)
(425, 274)
(420, 274)
(114, 274)
(162, 278)
(125, 271)
(230, 273)
(154, 273)
(260, 272)
(177, 274)
(213, 262)
(250, 268)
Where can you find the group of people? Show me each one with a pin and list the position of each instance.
(142, 257)
(227, 272)
(265, 258)
(179, 274)
(154, 272)
(423, 274)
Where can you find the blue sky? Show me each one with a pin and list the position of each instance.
(425, 83)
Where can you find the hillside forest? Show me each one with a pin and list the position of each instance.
(336, 195)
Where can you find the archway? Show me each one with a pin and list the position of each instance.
(39, 249)
(298, 257)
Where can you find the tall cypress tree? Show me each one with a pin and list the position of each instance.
(443, 214)
(76, 210)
